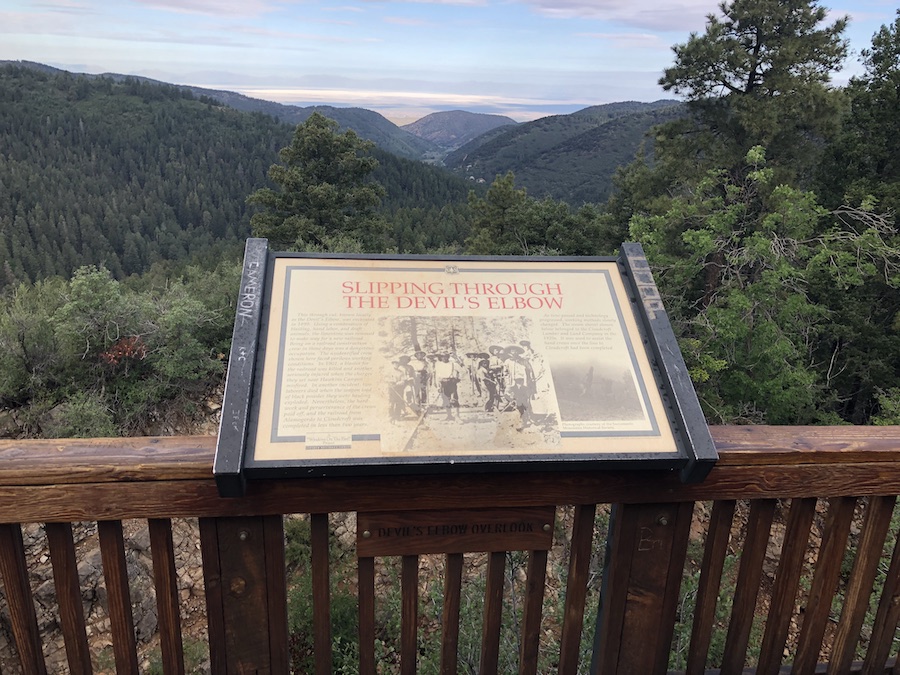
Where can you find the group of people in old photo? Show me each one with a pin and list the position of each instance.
(504, 378)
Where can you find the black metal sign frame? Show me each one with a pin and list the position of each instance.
(344, 365)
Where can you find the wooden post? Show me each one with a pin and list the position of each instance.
(639, 596)
(243, 564)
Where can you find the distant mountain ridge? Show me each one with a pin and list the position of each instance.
(451, 129)
(126, 174)
(569, 157)
(367, 123)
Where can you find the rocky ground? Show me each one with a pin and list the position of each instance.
(138, 559)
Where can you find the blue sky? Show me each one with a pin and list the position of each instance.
(403, 58)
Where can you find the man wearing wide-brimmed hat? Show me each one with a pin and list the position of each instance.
(446, 372)
(520, 383)
(419, 366)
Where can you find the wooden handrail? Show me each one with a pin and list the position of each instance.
(171, 477)
(99, 460)
(57, 482)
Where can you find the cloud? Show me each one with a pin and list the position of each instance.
(405, 21)
(417, 101)
(461, 3)
(379, 97)
(271, 33)
(66, 7)
(627, 39)
(648, 14)
(216, 8)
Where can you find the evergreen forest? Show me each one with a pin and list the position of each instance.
(766, 206)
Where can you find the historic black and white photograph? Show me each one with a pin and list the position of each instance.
(591, 388)
(465, 383)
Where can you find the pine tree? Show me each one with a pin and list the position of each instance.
(759, 75)
(324, 196)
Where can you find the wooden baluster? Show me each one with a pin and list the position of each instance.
(215, 600)
(18, 597)
(641, 584)
(165, 581)
(493, 609)
(243, 562)
(576, 588)
(828, 569)
(68, 595)
(409, 583)
(531, 620)
(115, 573)
(321, 592)
(450, 614)
(787, 581)
(717, 538)
(743, 609)
(862, 579)
(366, 573)
(886, 618)
(276, 593)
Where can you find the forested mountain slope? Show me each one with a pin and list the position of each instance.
(451, 129)
(568, 157)
(367, 123)
(123, 174)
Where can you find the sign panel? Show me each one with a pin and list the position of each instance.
(369, 364)
(454, 531)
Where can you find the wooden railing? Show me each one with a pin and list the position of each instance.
(789, 527)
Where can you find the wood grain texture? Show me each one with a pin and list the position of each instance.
(680, 530)
(190, 457)
(862, 580)
(824, 584)
(276, 593)
(645, 563)
(409, 614)
(755, 461)
(535, 580)
(165, 582)
(158, 478)
(215, 598)
(576, 588)
(115, 574)
(613, 593)
(887, 617)
(759, 522)
(242, 563)
(365, 569)
(493, 611)
(72, 502)
(68, 596)
(450, 613)
(714, 552)
(19, 600)
(787, 581)
(321, 591)
(199, 498)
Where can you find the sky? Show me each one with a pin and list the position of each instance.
(402, 58)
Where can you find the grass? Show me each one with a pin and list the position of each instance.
(345, 647)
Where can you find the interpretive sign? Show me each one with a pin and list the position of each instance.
(454, 531)
(383, 364)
